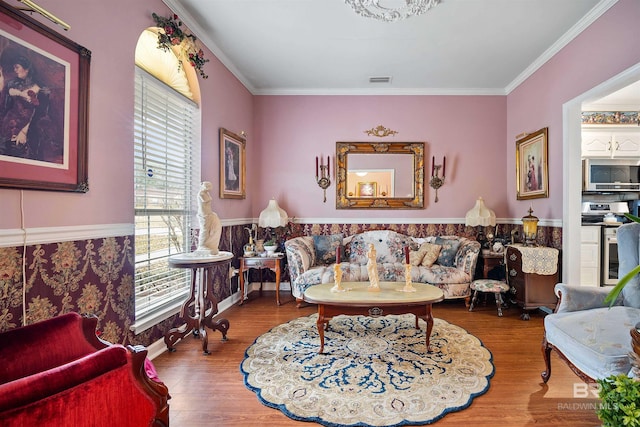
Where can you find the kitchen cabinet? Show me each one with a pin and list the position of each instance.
(611, 142)
(590, 255)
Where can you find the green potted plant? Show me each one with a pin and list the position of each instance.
(271, 245)
(620, 401)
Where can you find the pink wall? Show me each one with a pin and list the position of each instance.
(292, 130)
(285, 133)
(609, 46)
(111, 36)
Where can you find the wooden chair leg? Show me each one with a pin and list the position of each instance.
(546, 354)
(499, 303)
(474, 300)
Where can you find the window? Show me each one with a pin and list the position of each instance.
(166, 162)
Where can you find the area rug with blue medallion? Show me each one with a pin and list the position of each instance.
(374, 371)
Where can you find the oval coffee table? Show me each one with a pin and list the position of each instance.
(359, 300)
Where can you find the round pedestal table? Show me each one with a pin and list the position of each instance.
(201, 305)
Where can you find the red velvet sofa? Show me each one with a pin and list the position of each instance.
(58, 373)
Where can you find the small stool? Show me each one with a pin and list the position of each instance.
(489, 285)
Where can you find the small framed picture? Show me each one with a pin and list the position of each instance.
(367, 189)
(232, 165)
(532, 166)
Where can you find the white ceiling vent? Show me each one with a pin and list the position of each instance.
(380, 79)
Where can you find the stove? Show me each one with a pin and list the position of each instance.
(595, 213)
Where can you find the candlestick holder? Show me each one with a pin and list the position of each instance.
(323, 179)
(408, 286)
(436, 182)
(337, 279)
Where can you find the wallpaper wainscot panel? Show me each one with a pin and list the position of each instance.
(96, 276)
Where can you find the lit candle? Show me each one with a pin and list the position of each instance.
(433, 164)
(406, 254)
(316, 166)
(338, 255)
(444, 164)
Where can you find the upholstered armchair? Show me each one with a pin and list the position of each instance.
(591, 337)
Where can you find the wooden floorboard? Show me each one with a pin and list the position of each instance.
(209, 390)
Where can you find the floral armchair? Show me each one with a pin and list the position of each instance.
(593, 339)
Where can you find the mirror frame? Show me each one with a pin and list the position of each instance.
(343, 149)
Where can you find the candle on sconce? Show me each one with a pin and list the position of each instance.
(316, 167)
(338, 261)
(328, 174)
(444, 164)
(406, 254)
(433, 164)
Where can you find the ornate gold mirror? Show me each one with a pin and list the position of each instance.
(379, 175)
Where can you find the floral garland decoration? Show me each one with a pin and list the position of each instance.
(174, 36)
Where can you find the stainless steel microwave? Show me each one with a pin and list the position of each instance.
(611, 174)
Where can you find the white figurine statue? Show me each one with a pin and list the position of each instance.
(372, 269)
(210, 225)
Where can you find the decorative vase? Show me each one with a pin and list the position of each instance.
(249, 249)
(260, 246)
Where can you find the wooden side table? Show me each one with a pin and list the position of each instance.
(532, 289)
(260, 263)
(490, 260)
(198, 310)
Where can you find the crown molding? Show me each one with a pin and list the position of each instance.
(595, 13)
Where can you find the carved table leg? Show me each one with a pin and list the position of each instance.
(429, 319)
(320, 324)
(175, 334)
(211, 304)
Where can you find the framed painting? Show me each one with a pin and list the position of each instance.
(367, 189)
(44, 98)
(532, 166)
(232, 165)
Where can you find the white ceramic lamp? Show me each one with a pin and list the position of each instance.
(480, 216)
(272, 216)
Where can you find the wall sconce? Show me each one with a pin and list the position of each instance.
(436, 181)
(323, 179)
(530, 226)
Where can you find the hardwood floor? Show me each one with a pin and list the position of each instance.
(209, 390)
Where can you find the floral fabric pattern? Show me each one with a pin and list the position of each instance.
(325, 247)
(448, 252)
(431, 254)
(454, 280)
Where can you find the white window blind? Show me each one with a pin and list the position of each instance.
(165, 160)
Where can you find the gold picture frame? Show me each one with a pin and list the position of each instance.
(367, 189)
(232, 165)
(532, 166)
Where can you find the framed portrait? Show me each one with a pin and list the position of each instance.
(367, 189)
(532, 166)
(44, 98)
(232, 165)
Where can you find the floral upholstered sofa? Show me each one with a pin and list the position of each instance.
(451, 264)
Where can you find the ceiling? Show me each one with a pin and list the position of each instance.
(323, 47)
